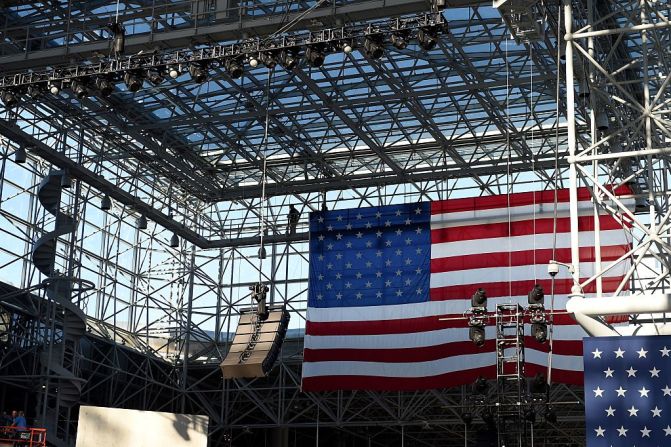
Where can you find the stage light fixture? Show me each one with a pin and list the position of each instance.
(35, 90)
(66, 180)
(254, 61)
(536, 296)
(234, 67)
(477, 335)
(106, 203)
(54, 89)
(198, 71)
(399, 40)
(315, 55)
(467, 417)
(481, 385)
(79, 88)
(104, 85)
(133, 81)
(262, 253)
(173, 71)
(530, 415)
(119, 39)
(427, 38)
(289, 58)
(374, 46)
(540, 332)
(20, 155)
(155, 76)
(141, 223)
(9, 98)
(479, 298)
(347, 47)
(539, 384)
(269, 60)
(174, 241)
(550, 415)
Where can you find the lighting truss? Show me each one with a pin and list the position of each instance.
(258, 49)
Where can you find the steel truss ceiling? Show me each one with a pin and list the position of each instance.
(479, 114)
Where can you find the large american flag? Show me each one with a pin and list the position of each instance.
(628, 391)
(388, 287)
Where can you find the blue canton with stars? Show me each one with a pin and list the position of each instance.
(628, 391)
(370, 256)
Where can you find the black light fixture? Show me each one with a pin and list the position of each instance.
(66, 180)
(530, 415)
(106, 203)
(234, 67)
(373, 45)
(133, 81)
(174, 240)
(467, 417)
(347, 46)
(20, 155)
(315, 55)
(536, 296)
(9, 98)
(289, 58)
(269, 59)
(119, 37)
(155, 76)
(538, 384)
(399, 40)
(104, 85)
(254, 61)
(540, 332)
(427, 38)
(198, 71)
(479, 298)
(35, 90)
(141, 223)
(488, 417)
(262, 252)
(54, 88)
(79, 88)
(550, 415)
(173, 71)
(477, 335)
(481, 385)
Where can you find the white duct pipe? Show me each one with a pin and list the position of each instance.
(587, 311)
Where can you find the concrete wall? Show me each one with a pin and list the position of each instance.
(118, 427)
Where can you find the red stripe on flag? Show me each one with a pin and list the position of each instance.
(526, 257)
(471, 231)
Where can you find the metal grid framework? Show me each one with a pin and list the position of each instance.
(479, 114)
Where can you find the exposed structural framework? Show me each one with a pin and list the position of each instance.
(480, 113)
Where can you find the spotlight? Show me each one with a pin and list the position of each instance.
(399, 40)
(20, 155)
(173, 71)
(540, 332)
(253, 61)
(479, 298)
(141, 223)
(79, 88)
(262, 252)
(601, 118)
(269, 60)
(315, 55)
(347, 47)
(198, 71)
(536, 296)
(477, 335)
(54, 89)
(174, 240)
(539, 384)
(9, 98)
(133, 81)
(155, 77)
(289, 58)
(106, 203)
(233, 67)
(428, 38)
(66, 180)
(35, 90)
(374, 46)
(119, 41)
(105, 85)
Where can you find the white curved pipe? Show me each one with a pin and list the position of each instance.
(587, 311)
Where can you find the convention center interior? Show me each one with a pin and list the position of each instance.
(335, 223)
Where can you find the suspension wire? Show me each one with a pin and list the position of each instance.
(508, 173)
(264, 172)
(554, 205)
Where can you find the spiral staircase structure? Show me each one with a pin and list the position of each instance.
(60, 358)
